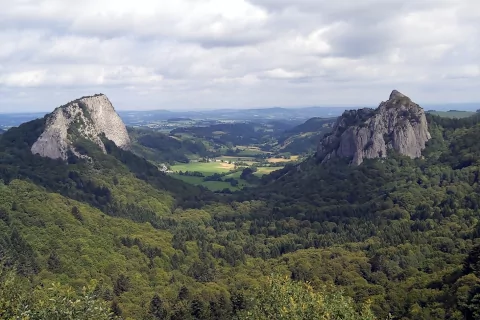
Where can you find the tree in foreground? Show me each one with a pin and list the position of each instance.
(282, 298)
(19, 301)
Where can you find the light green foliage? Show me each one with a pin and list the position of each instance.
(284, 299)
(18, 300)
(395, 232)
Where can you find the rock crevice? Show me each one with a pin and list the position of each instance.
(397, 124)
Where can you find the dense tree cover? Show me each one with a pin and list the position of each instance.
(95, 183)
(162, 148)
(19, 300)
(397, 234)
(181, 271)
(282, 298)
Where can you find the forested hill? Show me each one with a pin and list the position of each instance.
(398, 236)
(304, 138)
(144, 245)
(415, 219)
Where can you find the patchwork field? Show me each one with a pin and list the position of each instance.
(210, 168)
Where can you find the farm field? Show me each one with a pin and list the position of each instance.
(276, 160)
(210, 168)
(207, 168)
(266, 170)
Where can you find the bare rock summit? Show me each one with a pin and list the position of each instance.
(397, 124)
(88, 118)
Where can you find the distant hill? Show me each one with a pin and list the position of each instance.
(305, 137)
(161, 148)
(235, 134)
(452, 113)
(301, 114)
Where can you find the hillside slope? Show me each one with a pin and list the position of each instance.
(304, 138)
(402, 233)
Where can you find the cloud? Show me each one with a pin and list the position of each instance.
(237, 53)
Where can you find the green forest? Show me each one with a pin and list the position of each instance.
(114, 238)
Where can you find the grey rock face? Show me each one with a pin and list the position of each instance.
(397, 124)
(87, 117)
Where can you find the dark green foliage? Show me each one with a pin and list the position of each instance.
(247, 173)
(400, 233)
(157, 310)
(121, 285)
(357, 117)
(53, 262)
(16, 252)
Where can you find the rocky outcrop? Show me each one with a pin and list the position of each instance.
(397, 124)
(87, 117)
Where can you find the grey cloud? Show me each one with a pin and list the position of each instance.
(205, 53)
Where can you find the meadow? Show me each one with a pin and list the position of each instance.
(206, 168)
(210, 168)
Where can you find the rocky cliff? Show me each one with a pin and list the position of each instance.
(397, 124)
(87, 117)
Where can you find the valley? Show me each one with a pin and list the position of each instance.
(216, 155)
(356, 217)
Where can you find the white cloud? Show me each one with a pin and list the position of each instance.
(237, 53)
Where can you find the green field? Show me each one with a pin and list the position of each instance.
(266, 170)
(204, 167)
(209, 168)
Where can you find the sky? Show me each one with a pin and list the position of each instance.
(207, 54)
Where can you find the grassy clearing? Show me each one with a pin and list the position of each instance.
(204, 167)
(235, 175)
(266, 170)
(276, 160)
(246, 151)
(248, 160)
